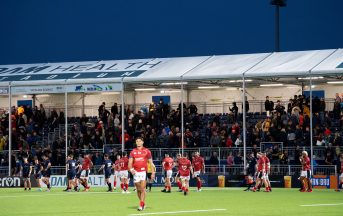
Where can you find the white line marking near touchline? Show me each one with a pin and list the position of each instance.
(328, 204)
(178, 212)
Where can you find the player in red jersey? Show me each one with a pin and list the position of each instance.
(305, 176)
(266, 173)
(260, 171)
(341, 176)
(167, 165)
(199, 168)
(139, 158)
(177, 173)
(185, 169)
(116, 168)
(85, 170)
(123, 173)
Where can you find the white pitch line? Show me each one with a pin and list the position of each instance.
(178, 212)
(329, 204)
(56, 194)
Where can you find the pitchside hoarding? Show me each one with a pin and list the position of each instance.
(99, 181)
(50, 89)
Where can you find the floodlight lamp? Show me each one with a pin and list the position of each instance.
(281, 3)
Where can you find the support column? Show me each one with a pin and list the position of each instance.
(9, 130)
(244, 127)
(66, 123)
(122, 117)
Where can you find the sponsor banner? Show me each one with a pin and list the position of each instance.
(38, 89)
(3, 90)
(78, 70)
(71, 76)
(80, 67)
(61, 89)
(324, 181)
(99, 181)
(6, 181)
(94, 87)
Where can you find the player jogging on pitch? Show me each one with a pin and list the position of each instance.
(124, 174)
(139, 158)
(107, 167)
(167, 166)
(305, 176)
(185, 169)
(199, 168)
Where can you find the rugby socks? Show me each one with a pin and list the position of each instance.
(141, 203)
(179, 185)
(309, 184)
(114, 183)
(169, 188)
(126, 186)
(48, 186)
(150, 184)
(199, 184)
(109, 186)
(83, 184)
(122, 186)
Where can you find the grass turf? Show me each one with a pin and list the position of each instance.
(15, 201)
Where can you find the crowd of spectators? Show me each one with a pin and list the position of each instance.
(160, 126)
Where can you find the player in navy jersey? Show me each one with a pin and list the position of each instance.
(46, 172)
(107, 167)
(38, 172)
(26, 168)
(71, 172)
(78, 175)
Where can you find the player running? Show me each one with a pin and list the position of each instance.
(86, 165)
(167, 165)
(38, 172)
(139, 158)
(123, 173)
(199, 168)
(305, 176)
(26, 168)
(46, 172)
(71, 172)
(185, 169)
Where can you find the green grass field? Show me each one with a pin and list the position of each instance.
(211, 201)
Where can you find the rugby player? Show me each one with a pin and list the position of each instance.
(107, 167)
(71, 172)
(167, 165)
(46, 172)
(305, 176)
(26, 168)
(124, 174)
(139, 158)
(185, 169)
(198, 164)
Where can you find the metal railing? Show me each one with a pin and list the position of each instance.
(226, 170)
(203, 107)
